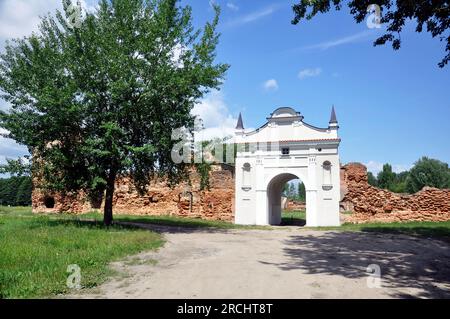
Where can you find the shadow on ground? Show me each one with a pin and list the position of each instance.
(293, 221)
(405, 261)
(159, 226)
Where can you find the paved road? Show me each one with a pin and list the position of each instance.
(282, 263)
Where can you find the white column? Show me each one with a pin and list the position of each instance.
(311, 193)
(261, 200)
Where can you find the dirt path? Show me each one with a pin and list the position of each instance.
(282, 263)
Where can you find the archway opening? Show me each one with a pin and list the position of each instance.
(49, 202)
(287, 201)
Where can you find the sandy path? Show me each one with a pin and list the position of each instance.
(282, 263)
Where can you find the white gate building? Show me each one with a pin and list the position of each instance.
(283, 149)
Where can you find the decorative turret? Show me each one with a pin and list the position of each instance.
(333, 120)
(240, 125)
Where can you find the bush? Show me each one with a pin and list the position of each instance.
(428, 172)
(15, 191)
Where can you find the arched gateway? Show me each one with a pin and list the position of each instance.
(283, 149)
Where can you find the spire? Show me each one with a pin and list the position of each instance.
(333, 119)
(240, 124)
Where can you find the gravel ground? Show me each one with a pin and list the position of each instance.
(287, 262)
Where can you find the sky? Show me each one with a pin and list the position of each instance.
(392, 106)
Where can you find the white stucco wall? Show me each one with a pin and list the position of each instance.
(262, 170)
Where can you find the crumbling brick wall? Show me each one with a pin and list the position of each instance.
(217, 203)
(368, 203)
(371, 204)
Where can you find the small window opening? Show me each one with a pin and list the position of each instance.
(49, 202)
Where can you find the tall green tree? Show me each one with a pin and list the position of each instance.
(23, 195)
(372, 179)
(100, 100)
(428, 172)
(285, 190)
(301, 192)
(432, 14)
(3, 192)
(292, 192)
(15, 191)
(386, 177)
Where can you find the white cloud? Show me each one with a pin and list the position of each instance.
(360, 36)
(308, 73)
(232, 6)
(376, 167)
(3, 105)
(19, 18)
(216, 117)
(271, 85)
(10, 149)
(253, 16)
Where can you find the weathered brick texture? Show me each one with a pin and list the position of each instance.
(217, 203)
(368, 203)
(371, 204)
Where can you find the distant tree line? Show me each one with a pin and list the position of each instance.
(295, 192)
(15, 191)
(426, 172)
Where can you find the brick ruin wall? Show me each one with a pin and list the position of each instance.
(217, 203)
(368, 204)
(371, 204)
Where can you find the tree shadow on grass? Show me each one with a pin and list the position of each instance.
(405, 262)
(441, 233)
(154, 224)
(162, 226)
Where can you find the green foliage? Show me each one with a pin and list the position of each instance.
(386, 177)
(36, 251)
(23, 197)
(203, 169)
(435, 15)
(285, 190)
(100, 101)
(428, 172)
(15, 191)
(301, 192)
(18, 167)
(292, 192)
(372, 179)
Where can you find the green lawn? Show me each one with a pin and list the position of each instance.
(439, 230)
(423, 229)
(35, 251)
(172, 221)
(293, 218)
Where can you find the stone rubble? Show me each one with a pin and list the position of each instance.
(370, 204)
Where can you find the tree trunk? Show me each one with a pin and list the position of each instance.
(108, 211)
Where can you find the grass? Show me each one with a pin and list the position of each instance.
(35, 251)
(439, 230)
(172, 221)
(290, 218)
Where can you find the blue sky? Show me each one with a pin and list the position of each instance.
(393, 106)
